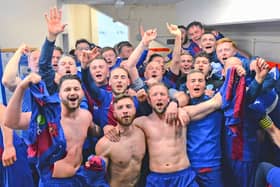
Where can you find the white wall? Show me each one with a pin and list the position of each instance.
(148, 16)
(23, 22)
(254, 26)
(215, 12)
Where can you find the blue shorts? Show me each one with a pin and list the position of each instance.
(182, 178)
(239, 173)
(273, 177)
(19, 173)
(209, 177)
(84, 177)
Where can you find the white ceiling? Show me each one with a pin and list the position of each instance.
(126, 2)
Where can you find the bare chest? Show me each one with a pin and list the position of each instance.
(75, 131)
(161, 131)
(125, 152)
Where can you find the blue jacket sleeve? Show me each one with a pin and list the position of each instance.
(93, 90)
(255, 89)
(45, 66)
(142, 58)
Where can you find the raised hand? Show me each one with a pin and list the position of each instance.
(151, 81)
(173, 29)
(261, 68)
(55, 26)
(216, 33)
(23, 49)
(88, 56)
(240, 70)
(32, 78)
(149, 36)
(141, 95)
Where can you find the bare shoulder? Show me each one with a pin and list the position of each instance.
(85, 115)
(138, 130)
(140, 121)
(103, 146)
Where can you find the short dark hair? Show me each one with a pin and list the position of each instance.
(99, 57)
(194, 71)
(72, 52)
(209, 32)
(82, 40)
(68, 77)
(157, 84)
(202, 54)
(105, 49)
(154, 56)
(182, 27)
(122, 96)
(195, 23)
(122, 44)
(186, 36)
(58, 49)
(128, 74)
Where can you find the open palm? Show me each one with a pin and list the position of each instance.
(55, 26)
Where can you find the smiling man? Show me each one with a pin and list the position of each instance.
(60, 149)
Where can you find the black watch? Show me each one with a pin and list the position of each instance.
(175, 100)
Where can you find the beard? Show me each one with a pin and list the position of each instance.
(159, 110)
(71, 105)
(125, 121)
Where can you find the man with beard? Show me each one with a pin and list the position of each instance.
(169, 163)
(125, 156)
(67, 128)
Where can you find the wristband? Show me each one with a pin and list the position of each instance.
(266, 122)
(175, 100)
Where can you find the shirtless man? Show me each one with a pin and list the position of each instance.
(125, 156)
(75, 123)
(169, 163)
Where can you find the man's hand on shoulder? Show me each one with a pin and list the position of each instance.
(111, 133)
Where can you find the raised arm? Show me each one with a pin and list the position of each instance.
(86, 58)
(10, 77)
(14, 118)
(148, 36)
(175, 62)
(261, 69)
(55, 27)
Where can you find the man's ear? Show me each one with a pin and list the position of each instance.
(115, 115)
(149, 100)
